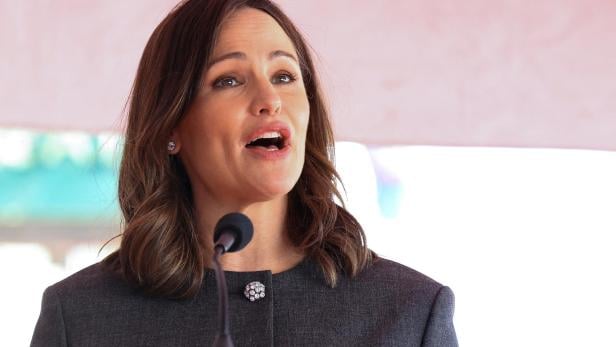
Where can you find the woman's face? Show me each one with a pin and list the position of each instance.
(243, 138)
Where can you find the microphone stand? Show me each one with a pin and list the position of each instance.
(223, 339)
(232, 233)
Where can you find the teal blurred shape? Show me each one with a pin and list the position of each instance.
(65, 180)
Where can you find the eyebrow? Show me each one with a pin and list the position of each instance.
(242, 56)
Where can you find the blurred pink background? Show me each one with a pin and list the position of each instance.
(479, 72)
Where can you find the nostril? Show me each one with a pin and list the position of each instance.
(269, 111)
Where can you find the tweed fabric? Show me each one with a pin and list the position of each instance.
(388, 304)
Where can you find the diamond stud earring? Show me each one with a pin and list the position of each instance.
(171, 146)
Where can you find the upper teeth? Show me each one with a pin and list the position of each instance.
(270, 135)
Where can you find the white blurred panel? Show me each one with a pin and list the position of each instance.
(360, 194)
(26, 270)
(525, 238)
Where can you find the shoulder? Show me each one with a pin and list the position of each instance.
(389, 272)
(80, 300)
(89, 282)
(396, 284)
(404, 303)
(404, 286)
(423, 296)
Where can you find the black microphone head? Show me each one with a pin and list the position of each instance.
(237, 224)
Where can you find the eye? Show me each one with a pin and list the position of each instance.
(285, 78)
(226, 82)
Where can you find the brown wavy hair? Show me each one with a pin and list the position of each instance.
(161, 251)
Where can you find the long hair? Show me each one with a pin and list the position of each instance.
(161, 251)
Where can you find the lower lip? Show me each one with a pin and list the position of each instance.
(263, 153)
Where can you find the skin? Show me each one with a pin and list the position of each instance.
(237, 97)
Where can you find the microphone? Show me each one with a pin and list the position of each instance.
(231, 234)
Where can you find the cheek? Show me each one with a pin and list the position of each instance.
(197, 134)
(302, 132)
(302, 110)
(304, 120)
(207, 130)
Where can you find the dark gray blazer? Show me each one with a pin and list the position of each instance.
(388, 304)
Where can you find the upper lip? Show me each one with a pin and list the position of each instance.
(279, 127)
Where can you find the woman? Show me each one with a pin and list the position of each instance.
(226, 115)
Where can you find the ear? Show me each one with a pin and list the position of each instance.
(175, 138)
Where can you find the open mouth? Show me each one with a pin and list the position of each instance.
(270, 141)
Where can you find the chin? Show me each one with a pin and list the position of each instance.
(274, 189)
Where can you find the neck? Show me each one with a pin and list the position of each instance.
(270, 248)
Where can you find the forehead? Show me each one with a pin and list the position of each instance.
(251, 29)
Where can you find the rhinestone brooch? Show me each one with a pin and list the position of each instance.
(254, 291)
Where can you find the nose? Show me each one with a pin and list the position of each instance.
(266, 101)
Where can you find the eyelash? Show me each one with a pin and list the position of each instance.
(215, 85)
